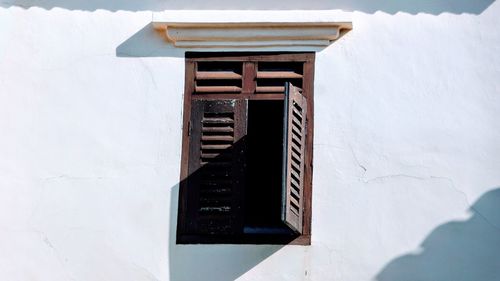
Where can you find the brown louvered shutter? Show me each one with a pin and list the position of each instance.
(216, 166)
(293, 164)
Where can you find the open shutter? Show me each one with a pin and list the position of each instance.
(216, 166)
(293, 163)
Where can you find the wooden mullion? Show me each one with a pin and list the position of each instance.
(249, 74)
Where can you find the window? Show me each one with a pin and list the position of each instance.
(246, 171)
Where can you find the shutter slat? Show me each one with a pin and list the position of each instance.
(217, 138)
(294, 149)
(270, 89)
(223, 75)
(217, 120)
(215, 164)
(297, 114)
(296, 132)
(278, 75)
(295, 192)
(215, 146)
(217, 129)
(294, 182)
(296, 139)
(295, 202)
(296, 175)
(295, 165)
(214, 155)
(214, 182)
(217, 191)
(217, 89)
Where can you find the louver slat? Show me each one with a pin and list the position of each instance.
(217, 89)
(293, 164)
(278, 75)
(223, 75)
(270, 89)
(216, 167)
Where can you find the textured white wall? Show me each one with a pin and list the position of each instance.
(406, 141)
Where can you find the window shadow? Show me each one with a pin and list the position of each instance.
(367, 6)
(217, 262)
(149, 42)
(211, 262)
(456, 251)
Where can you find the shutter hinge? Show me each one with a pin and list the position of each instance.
(190, 127)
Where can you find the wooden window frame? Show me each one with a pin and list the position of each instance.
(248, 92)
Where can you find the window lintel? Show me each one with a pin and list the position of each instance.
(251, 34)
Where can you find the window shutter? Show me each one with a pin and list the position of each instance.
(293, 163)
(216, 166)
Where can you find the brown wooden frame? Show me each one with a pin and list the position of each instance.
(248, 92)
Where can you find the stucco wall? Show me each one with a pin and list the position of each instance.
(407, 145)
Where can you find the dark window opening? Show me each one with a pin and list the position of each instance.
(263, 189)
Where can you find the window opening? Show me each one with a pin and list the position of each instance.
(247, 149)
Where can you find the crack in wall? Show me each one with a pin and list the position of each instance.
(150, 73)
(59, 258)
(357, 161)
(148, 273)
(68, 177)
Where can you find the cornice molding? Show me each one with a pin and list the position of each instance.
(252, 34)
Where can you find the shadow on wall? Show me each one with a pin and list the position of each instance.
(217, 262)
(456, 251)
(367, 6)
(149, 42)
(210, 262)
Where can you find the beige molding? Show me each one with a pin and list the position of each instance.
(252, 34)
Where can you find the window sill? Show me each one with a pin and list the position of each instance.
(257, 239)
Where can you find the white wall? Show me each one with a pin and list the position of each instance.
(407, 146)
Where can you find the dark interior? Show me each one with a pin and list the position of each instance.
(264, 167)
